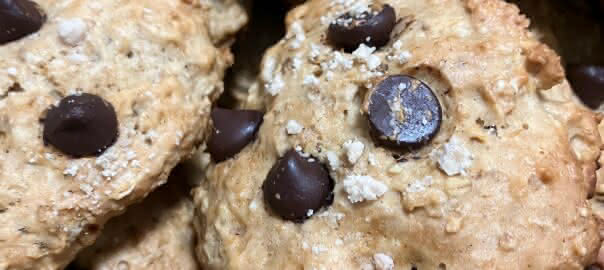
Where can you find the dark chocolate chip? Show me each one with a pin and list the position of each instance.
(403, 112)
(233, 130)
(296, 185)
(588, 83)
(371, 28)
(82, 125)
(19, 18)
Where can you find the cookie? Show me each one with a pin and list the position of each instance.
(155, 234)
(454, 144)
(99, 100)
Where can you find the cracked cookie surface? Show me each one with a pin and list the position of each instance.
(501, 185)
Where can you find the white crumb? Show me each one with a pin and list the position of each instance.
(362, 187)
(293, 127)
(354, 150)
(365, 53)
(383, 261)
(72, 31)
(299, 36)
(275, 86)
(453, 158)
(333, 160)
(310, 80)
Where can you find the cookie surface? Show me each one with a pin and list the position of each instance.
(154, 234)
(155, 65)
(501, 185)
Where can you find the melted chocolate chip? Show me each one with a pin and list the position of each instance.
(588, 83)
(82, 125)
(19, 18)
(403, 112)
(371, 28)
(295, 185)
(233, 130)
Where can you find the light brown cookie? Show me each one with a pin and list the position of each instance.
(500, 184)
(148, 70)
(155, 234)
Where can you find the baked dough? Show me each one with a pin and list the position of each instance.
(155, 234)
(160, 67)
(503, 185)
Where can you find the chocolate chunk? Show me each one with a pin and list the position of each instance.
(19, 18)
(588, 83)
(403, 112)
(593, 267)
(82, 125)
(297, 187)
(370, 27)
(233, 130)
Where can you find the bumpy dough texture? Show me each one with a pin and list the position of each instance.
(154, 61)
(518, 150)
(156, 234)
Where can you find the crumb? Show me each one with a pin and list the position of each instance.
(383, 261)
(333, 160)
(72, 31)
(361, 188)
(293, 127)
(354, 150)
(453, 158)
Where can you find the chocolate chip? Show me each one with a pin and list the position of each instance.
(593, 267)
(19, 18)
(370, 27)
(403, 112)
(233, 130)
(82, 125)
(296, 187)
(588, 83)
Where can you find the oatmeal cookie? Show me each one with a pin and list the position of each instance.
(155, 234)
(403, 135)
(99, 100)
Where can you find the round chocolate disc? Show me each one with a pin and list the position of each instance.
(296, 187)
(81, 125)
(403, 112)
(370, 28)
(19, 18)
(233, 130)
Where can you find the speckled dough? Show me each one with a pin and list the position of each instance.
(503, 185)
(156, 234)
(154, 61)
